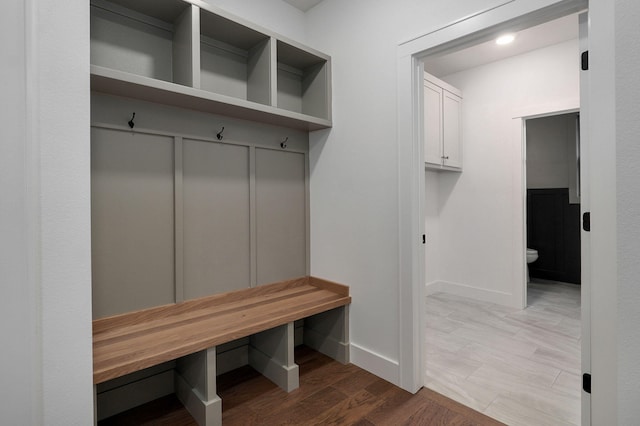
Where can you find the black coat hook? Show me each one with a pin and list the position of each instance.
(219, 134)
(131, 123)
(283, 144)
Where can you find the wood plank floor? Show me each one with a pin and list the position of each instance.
(329, 393)
(521, 367)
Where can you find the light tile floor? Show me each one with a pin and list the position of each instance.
(521, 367)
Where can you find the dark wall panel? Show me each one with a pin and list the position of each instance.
(553, 228)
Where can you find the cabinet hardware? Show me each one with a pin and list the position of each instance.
(283, 144)
(219, 134)
(131, 123)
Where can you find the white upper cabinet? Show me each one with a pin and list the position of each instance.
(203, 58)
(442, 107)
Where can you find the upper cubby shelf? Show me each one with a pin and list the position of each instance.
(193, 55)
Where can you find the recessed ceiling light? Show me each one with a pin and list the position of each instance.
(505, 39)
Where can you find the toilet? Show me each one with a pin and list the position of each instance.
(532, 256)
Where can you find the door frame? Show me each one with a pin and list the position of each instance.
(474, 28)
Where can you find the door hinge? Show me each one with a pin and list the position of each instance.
(584, 60)
(586, 221)
(586, 382)
(424, 239)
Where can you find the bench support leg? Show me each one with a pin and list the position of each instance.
(196, 387)
(271, 354)
(328, 333)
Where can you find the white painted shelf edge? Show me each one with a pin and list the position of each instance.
(120, 83)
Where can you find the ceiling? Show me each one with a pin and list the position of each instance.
(547, 34)
(303, 5)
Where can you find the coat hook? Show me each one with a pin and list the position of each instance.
(219, 134)
(131, 123)
(283, 144)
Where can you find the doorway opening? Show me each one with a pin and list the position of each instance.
(451, 190)
(553, 198)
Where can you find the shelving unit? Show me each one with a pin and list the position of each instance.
(199, 57)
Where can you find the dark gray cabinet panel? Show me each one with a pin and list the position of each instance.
(132, 221)
(280, 215)
(217, 253)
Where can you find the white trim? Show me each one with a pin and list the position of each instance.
(557, 107)
(33, 207)
(481, 294)
(457, 21)
(375, 363)
(411, 225)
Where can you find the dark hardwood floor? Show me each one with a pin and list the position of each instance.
(329, 393)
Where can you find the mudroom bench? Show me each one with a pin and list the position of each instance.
(188, 332)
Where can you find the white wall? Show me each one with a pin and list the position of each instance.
(20, 357)
(551, 150)
(627, 91)
(479, 230)
(61, 107)
(45, 246)
(275, 15)
(432, 219)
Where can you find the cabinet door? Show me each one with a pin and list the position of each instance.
(432, 123)
(451, 134)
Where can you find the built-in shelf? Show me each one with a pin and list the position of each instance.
(120, 83)
(192, 55)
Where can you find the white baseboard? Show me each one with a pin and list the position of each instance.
(377, 364)
(477, 293)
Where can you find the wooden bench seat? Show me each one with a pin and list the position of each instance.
(130, 342)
